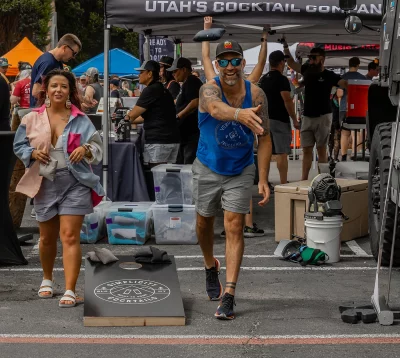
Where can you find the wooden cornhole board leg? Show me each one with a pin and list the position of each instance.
(120, 294)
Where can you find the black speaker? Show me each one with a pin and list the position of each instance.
(347, 5)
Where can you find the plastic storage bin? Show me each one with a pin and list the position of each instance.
(93, 227)
(129, 223)
(173, 184)
(175, 224)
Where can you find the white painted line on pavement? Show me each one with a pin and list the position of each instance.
(244, 256)
(246, 268)
(107, 336)
(357, 249)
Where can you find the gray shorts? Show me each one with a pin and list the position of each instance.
(210, 190)
(63, 196)
(281, 135)
(160, 153)
(315, 130)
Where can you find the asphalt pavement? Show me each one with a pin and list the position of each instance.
(283, 310)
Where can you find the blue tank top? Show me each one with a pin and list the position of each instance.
(226, 147)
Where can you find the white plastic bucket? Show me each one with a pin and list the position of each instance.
(325, 235)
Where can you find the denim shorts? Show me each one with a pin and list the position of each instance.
(63, 196)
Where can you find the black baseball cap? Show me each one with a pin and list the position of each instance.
(318, 51)
(229, 46)
(276, 56)
(180, 62)
(149, 65)
(166, 60)
(115, 82)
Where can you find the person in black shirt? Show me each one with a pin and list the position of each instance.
(167, 77)
(280, 109)
(187, 104)
(155, 108)
(114, 85)
(317, 120)
(4, 105)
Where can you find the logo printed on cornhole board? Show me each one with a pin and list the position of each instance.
(132, 291)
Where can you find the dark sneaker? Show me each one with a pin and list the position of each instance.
(223, 234)
(253, 231)
(225, 308)
(213, 285)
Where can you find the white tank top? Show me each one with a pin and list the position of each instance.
(57, 153)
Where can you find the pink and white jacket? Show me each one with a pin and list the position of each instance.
(35, 133)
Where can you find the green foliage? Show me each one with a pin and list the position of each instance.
(85, 19)
(20, 18)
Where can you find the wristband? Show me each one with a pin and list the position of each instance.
(235, 117)
(286, 46)
(263, 39)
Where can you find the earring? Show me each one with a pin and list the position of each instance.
(68, 104)
(47, 102)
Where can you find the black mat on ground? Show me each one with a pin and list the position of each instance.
(10, 250)
(125, 293)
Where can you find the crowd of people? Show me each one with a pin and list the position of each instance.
(216, 126)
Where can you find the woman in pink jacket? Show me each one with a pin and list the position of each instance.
(57, 144)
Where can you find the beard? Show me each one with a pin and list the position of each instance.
(232, 80)
(314, 68)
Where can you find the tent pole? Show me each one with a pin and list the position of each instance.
(105, 99)
(146, 51)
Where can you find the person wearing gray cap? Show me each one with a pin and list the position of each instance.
(167, 77)
(93, 91)
(232, 111)
(155, 108)
(187, 105)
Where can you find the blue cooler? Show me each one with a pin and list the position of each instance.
(129, 223)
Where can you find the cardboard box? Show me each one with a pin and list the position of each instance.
(291, 202)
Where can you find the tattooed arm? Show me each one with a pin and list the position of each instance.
(264, 151)
(211, 102)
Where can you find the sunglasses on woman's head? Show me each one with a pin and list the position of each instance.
(234, 61)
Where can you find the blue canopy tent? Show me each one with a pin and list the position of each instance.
(121, 63)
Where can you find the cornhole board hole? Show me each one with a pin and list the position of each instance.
(125, 293)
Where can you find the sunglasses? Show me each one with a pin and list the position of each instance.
(313, 57)
(235, 62)
(73, 52)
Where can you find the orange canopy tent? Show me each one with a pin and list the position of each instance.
(25, 51)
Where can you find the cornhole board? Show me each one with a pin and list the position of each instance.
(125, 293)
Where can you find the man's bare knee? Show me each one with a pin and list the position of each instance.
(204, 223)
(234, 223)
(308, 150)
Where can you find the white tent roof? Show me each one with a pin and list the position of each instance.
(251, 55)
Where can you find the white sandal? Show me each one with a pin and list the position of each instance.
(46, 286)
(68, 296)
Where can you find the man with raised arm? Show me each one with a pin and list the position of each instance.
(231, 112)
(250, 229)
(317, 120)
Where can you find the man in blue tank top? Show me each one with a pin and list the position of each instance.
(231, 112)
